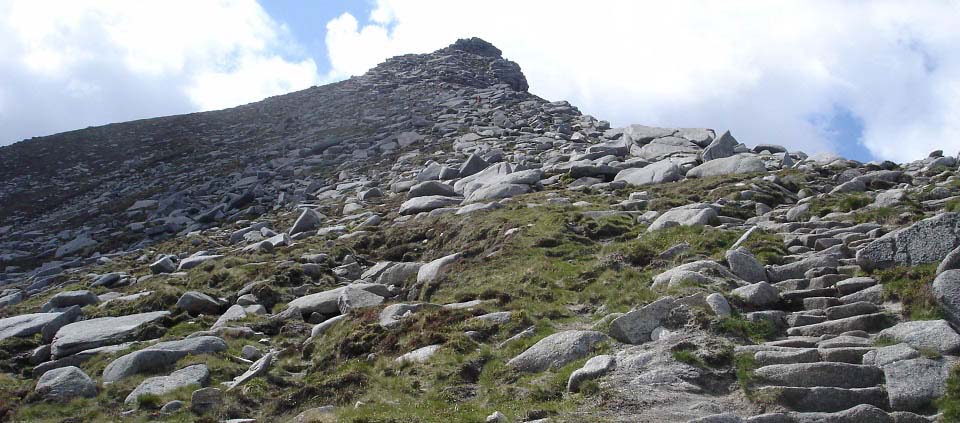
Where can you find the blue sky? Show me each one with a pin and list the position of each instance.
(869, 80)
(307, 19)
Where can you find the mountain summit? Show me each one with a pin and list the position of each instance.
(430, 242)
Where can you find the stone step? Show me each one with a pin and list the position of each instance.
(850, 310)
(820, 303)
(865, 322)
(823, 399)
(862, 413)
(797, 296)
(805, 319)
(822, 374)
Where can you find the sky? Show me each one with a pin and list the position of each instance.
(869, 80)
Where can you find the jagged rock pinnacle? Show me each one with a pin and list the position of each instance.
(476, 46)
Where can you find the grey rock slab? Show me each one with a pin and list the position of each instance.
(882, 356)
(434, 269)
(26, 324)
(197, 374)
(758, 295)
(65, 384)
(927, 241)
(326, 302)
(71, 298)
(657, 173)
(427, 203)
(689, 215)
(87, 334)
(913, 384)
(391, 273)
(194, 261)
(594, 367)
(235, 312)
(309, 220)
(719, 304)
(946, 290)
(557, 350)
(197, 303)
(745, 265)
(258, 368)
(160, 355)
(837, 375)
(351, 299)
(637, 326)
(936, 335)
(865, 322)
(740, 163)
(419, 355)
(720, 148)
(429, 188)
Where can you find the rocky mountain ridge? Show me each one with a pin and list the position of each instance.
(431, 242)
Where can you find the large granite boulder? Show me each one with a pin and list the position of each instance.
(927, 241)
(87, 334)
(557, 350)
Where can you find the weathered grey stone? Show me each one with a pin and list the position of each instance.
(592, 369)
(797, 269)
(740, 163)
(637, 326)
(745, 265)
(197, 303)
(419, 355)
(927, 241)
(882, 356)
(309, 220)
(946, 290)
(557, 350)
(72, 298)
(258, 368)
(702, 271)
(355, 299)
(926, 334)
(689, 215)
(719, 305)
(657, 173)
(194, 261)
(160, 355)
(101, 331)
(326, 302)
(865, 322)
(758, 295)
(65, 384)
(427, 203)
(472, 165)
(913, 384)
(429, 188)
(30, 324)
(434, 269)
(720, 148)
(197, 374)
(838, 375)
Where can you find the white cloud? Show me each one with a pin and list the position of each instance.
(72, 64)
(772, 72)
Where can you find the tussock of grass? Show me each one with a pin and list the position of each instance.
(912, 287)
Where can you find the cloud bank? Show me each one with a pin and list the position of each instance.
(65, 65)
(772, 72)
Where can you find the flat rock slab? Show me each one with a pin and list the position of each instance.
(98, 332)
(926, 334)
(160, 355)
(557, 350)
(326, 302)
(837, 375)
(913, 384)
(26, 324)
(927, 241)
(197, 374)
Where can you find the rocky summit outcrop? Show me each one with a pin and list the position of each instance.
(430, 241)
